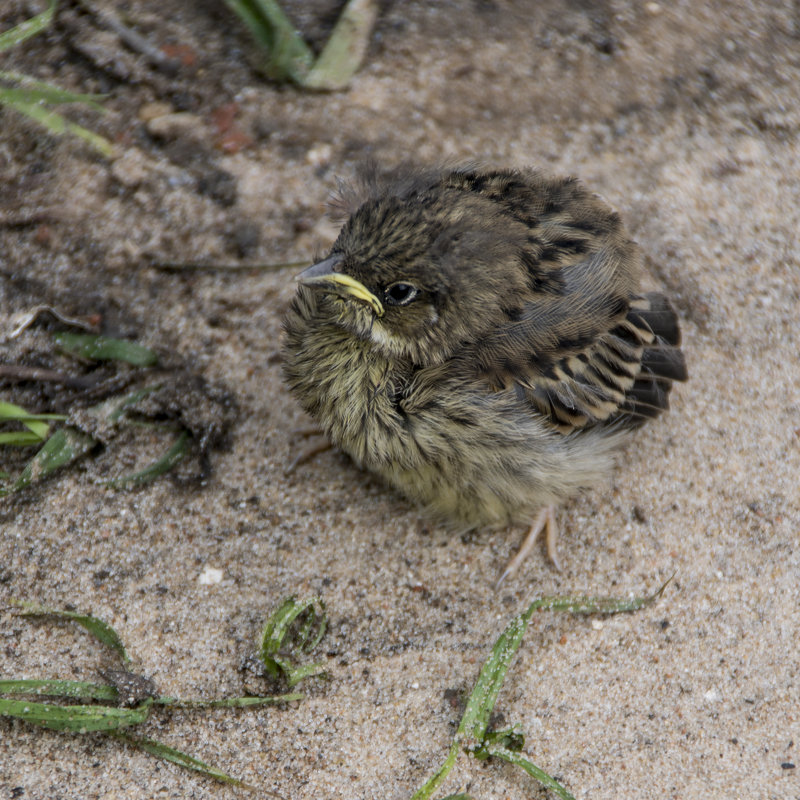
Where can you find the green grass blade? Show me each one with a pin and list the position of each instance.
(281, 634)
(101, 631)
(77, 719)
(23, 101)
(287, 57)
(344, 51)
(160, 750)
(472, 730)
(228, 702)
(63, 447)
(598, 605)
(42, 91)
(28, 28)
(35, 423)
(80, 690)
(157, 468)
(532, 770)
(103, 348)
(484, 696)
(20, 438)
(432, 784)
(118, 408)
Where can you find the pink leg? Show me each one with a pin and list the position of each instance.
(545, 521)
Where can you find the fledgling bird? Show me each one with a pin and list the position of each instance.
(478, 338)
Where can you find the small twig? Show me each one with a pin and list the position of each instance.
(177, 266)
(23, 217)
(18, 372)
(134, 40)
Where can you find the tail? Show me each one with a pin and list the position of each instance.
(662, 362)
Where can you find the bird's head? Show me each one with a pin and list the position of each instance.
(418, 279)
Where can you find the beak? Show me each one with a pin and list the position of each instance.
(324, 275)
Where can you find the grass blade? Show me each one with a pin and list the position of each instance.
(63, 447)
(20, 438)
(27, 102)
(35, 423)
(229, 702)
(532, 770)
(101, 631)
(160, 750)
(77, 719)
(278, 635)
(103, 348)
(288, 57)
(344, 51)
(472, 733)
(49, 93)
(157, 468)
(28, 28)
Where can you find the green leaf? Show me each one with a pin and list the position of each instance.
(229, 702)
(55, 688)
(472, 731)
(281, 634)
(20, 438)
(101, 631)
(532, 770)
(42, 91)
(28, 28)
(35, 423)
(157, 468)
(345, 50)
(288, 57)
(103, 348)
(63, 447)
(77, 719)
(160, 750)
(29, 103)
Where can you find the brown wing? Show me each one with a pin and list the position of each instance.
(582, 346)
(626, 373)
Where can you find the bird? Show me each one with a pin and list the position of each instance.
(477, 337)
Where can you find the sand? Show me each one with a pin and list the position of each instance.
(685, 117)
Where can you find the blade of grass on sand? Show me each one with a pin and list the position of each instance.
(345, 50)
(472, 730)
(29, 103)
(157, 468)
(103, 348)
(80, 690)
(77, 719)
(49, 93)
(229, 702)
(280, 634)
(28, 28)
(177, 757)
(63, 447)
(288, 57)
(532, 770)
(20, 438)
(35, 423)
(101, 630)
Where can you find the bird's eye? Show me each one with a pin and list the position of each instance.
(400, 294)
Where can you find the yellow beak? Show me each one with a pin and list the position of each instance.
(323, 274)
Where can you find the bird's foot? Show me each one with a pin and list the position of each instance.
(545, 521)
(314, 449)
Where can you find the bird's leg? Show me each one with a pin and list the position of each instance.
(545, 521)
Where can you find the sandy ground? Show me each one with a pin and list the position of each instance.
(685, 116)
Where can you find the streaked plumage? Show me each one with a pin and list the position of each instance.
(478, 339)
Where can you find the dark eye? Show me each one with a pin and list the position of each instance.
(400, 294)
